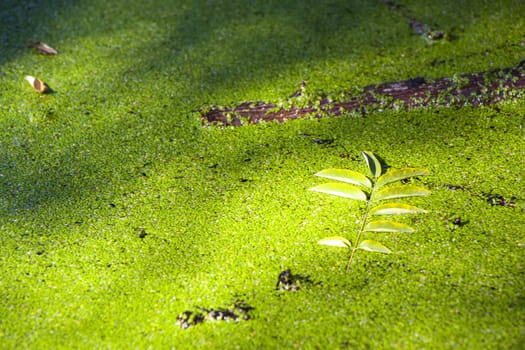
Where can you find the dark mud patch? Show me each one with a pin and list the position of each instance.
(238, 311)
(287, 281)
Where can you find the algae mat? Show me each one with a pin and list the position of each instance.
(119, 211)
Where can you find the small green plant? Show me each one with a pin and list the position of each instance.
(350, 186)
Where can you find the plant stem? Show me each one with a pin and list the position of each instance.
(358, 238)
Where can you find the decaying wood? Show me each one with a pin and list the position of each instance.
(467, 89)
(43, 48)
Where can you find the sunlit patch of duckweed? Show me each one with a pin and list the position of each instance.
(118, 210)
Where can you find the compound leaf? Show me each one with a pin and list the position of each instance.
(336, 241)
(395, 209)
(373, 246)
(387, 226)
(346, 175)
(399, 174)
(341, 190)
(400, 191)
(373, 164)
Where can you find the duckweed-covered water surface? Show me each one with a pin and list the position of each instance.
(120, 214)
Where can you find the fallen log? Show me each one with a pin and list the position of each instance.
(467, 89)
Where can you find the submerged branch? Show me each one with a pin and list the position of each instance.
(467, 89)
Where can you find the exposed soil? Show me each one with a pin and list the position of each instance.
(234, 313)
(291, 282)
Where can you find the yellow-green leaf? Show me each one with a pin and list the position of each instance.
(400, 191)
(387, 226)
(373, 246)
(341, 190)
(399, 174)
(373, 164)
(335, 241)
(395, 209)
(346, 175)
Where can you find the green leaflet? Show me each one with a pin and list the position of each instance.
(399, 191)
(376, 191)
(346, 175)
(399, 174)
(387, 226)
(341, 190)
(373, 246)
(373, 164)
(395, 209)
(335, 241)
